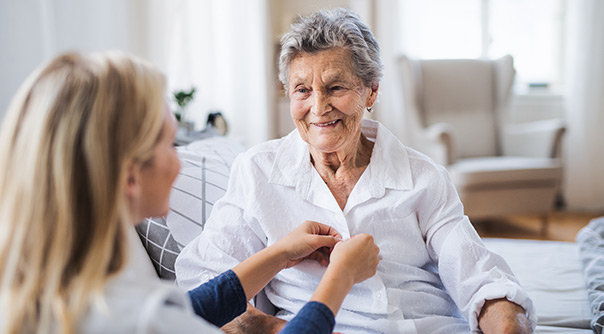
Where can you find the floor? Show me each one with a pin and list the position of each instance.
(561, 226)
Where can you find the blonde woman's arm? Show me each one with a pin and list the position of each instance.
(310, 240)
(225, 297)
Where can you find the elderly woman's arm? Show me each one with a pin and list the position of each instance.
(503, 316)
(479, 281)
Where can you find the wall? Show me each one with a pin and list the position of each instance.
(22, 47)
(34, 31)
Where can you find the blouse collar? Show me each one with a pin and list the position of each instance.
(389, 167)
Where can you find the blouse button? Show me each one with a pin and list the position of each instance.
(496, 274)
(205, 277)
(379, 294)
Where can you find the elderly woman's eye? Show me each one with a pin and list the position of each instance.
(302, 90)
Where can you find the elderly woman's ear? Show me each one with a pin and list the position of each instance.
(373, 96)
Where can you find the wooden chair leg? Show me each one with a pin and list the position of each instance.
(544, 224)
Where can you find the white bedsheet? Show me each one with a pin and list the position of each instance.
(551, 273)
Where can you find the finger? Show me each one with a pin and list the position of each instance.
(324, 241)
(319, 257)
(325, 251)
(322, 229)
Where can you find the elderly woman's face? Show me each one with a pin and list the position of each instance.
(327, 99)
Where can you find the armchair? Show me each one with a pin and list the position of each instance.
(457, 114)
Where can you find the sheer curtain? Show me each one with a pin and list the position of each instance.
(389, 107)
(223, 49)
(584, 177)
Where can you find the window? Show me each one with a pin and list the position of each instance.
(530, 30)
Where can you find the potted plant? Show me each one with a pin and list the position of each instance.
(183, 98)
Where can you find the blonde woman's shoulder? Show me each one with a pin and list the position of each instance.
(143, 306)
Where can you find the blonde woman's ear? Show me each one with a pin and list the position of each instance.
(133, 191)
(133, 182)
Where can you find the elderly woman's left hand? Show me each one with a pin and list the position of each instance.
(254, 321)
(503, 316)
(310, 240)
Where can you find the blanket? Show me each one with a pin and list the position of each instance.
(591, 248)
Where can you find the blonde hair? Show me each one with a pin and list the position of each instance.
(67, 140)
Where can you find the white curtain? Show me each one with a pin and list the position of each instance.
(584, 151)
(389, 107)
(221, 47)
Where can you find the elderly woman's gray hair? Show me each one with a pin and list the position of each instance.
(328, 29)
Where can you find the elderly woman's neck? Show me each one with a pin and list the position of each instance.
(354, 156)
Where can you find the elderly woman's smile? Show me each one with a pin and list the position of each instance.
(327, 100)
(327, 124)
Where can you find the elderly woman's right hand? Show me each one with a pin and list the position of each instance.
(356, 258)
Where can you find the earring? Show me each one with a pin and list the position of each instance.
(370, 109)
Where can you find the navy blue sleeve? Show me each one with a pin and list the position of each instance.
(219, 300)
(313, 318)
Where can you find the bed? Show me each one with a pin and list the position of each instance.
(550, 271)
(552, 274)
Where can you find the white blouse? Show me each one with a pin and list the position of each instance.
(435, 273)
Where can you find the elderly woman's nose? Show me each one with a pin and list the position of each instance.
(320, 104)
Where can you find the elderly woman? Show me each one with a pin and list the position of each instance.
(436, 276)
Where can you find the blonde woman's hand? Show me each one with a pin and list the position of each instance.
(310, 240)
(356, 258)
(352, 261)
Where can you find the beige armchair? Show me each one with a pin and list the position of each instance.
(457, 114)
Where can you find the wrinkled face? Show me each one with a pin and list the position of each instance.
(327, 100)
(158, 175)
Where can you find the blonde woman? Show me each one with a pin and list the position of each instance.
(86, 150)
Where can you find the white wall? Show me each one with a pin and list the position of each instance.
(34, 31)
(21, 44)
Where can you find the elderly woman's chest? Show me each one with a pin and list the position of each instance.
(396, 232)
(393, 224)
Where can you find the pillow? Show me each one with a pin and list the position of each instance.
(203, 179)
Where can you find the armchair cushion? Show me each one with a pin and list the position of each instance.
(496, 186)
(454, 92)
(504, 172)
(534, 139)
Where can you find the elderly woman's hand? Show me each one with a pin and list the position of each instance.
(503, 316)
(310, 240)
(254, 321)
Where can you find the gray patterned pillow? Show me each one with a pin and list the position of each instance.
(203, 178)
